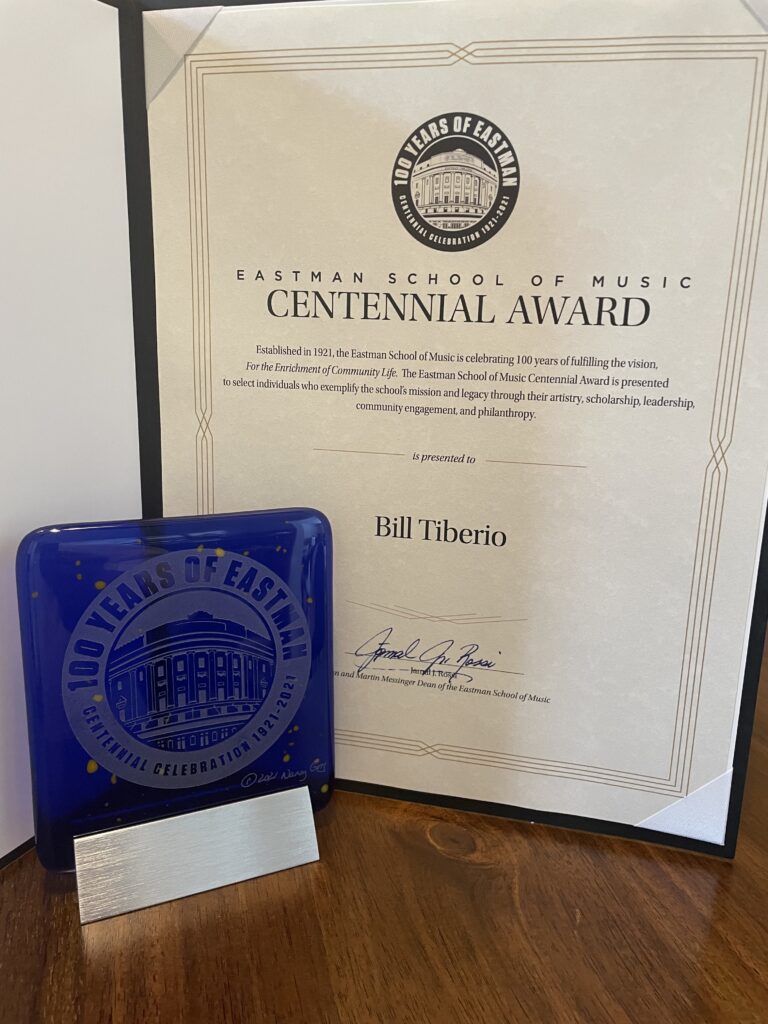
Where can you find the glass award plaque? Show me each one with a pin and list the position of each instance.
(174, 665)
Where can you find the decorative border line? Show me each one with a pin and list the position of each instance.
(453, 619)
(490, 759)
(201, 287)
(744, 258)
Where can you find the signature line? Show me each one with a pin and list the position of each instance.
(354, 451)
(512, 462)
(391, 668)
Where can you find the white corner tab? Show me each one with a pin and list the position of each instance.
(702, 814)
(168, 37)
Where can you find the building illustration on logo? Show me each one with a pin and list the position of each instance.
(455, 181)
(454, 190)
(189, 684)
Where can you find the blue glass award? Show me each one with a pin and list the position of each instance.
(174, 664)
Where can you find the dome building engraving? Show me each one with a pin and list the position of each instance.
(454, 190)
(190, 684)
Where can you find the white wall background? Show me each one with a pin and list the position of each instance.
(68, 432)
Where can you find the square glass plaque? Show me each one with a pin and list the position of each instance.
(172, 665)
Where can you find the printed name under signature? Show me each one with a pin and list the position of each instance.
(435, 656)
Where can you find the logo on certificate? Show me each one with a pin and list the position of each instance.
(455, 181)
(186, 668)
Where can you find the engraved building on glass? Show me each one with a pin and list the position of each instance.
(190, 684)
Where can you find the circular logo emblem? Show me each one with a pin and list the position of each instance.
(455, 181)
(186, 669)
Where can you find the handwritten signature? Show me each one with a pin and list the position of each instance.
(435, 656)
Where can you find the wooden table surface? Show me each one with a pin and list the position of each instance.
(416, 914)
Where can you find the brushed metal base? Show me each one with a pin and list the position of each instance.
(141, 865)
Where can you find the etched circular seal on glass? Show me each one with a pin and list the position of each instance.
(455, 181)
(185, 670)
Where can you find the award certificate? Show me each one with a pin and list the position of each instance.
(485, 283)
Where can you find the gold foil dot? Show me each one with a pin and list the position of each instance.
(295, 728)
(99, 584)
(98, 697)
(310, 600)
(35, 593)
(324, 788)
(77, 562)
(200, 547)
(220, 552)
(91, 767)
(286, 758)
(246, 552)
(277, 548)
(79, 576)
(113, 780)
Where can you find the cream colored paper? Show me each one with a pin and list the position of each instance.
(613, 620)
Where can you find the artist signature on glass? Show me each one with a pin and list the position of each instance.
(437, 656)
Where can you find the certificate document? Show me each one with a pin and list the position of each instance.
(485, 283)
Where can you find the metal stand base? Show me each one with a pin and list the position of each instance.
(141, 865)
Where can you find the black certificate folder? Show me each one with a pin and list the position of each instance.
(428, 267)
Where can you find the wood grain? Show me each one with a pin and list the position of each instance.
(416, 914)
